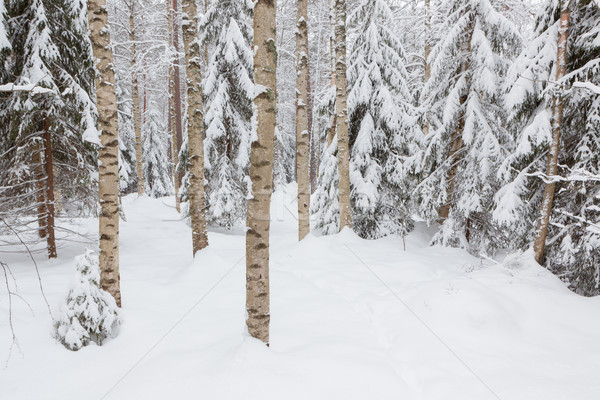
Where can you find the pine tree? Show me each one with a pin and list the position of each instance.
(384, 129)
(261, 172)
(465, 149)
(228, 89)
(572, 248)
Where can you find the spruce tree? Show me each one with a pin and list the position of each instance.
(467, 142)
(384, 129)
(228, 88)
(572, 247)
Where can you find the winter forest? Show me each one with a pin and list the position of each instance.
(300, 199)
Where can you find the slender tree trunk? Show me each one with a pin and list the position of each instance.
(108, 176)
(261, 172)
(557, 116)
(309, 113)
(456, 143)
(341, 110)
(139, 162)
(302, 128)
(40, 187)
(171, 122)
(177, 95)
(426, 124)
(195, 126)
(332, 122)
(49, 164)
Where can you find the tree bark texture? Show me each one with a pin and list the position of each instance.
(557, 116)
(49, 165)
(177, 95)
(456, 141)
(261, 171)
(108, 185)
(302, 129)
(195, 125)
(139, 162)
(341, 111)
(174, 144)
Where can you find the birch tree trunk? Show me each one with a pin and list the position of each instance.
(195, 125)
(139, 162)
(49, 164)
(341, 111)
(302, 136)
(108, 174)
(557, 116)
(261, 171)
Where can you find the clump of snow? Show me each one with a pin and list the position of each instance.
(90, 314)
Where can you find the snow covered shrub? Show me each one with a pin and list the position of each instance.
(90, 314)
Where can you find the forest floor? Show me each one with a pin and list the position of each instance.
(350, 319)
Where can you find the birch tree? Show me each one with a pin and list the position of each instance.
(261, 171)
(108, 186)
(195, 125)
(302, 137)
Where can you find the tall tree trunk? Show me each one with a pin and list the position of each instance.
(302, 128)
(108, 174)
(49, 164)
(261, 172)
(309, 113)
(557, 116)
(139, 162)
(341, 111)
(171, 122)
(195, 126)
(332, 122)
(177, 95)
(456, 143)
(426, 124)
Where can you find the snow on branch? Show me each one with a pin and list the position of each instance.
(578, 175)
(587, 85)
(30, 87)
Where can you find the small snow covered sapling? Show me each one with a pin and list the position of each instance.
(90, 313)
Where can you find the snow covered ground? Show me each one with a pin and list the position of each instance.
(351, 319)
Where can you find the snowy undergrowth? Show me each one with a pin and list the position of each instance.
(351, 319)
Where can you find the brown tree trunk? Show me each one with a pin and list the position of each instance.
(177, 95)
(139, 163)
(456, 143)
(195, 126)
(557, 116)
(341, 110)
(174, 144)
(108, 174)
(302, 120)
(261, 172)
(426, 124)
(49, 164)
(332, 122)
(309, 113)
